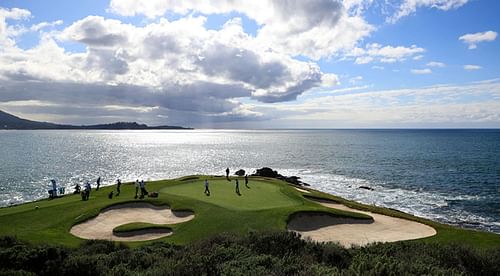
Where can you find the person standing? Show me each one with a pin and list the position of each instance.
(246, 181)
(53, 194)
(77, 189)
(227, 173)
(136, 188)
(87, 190)
(98, 183)
(237, 187)
(207, 191)
(143, 189)
(118, 184)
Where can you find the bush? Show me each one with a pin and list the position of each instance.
(268, 253)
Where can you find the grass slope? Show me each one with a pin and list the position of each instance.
(265, 206)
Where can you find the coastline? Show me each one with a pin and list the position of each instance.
(358, 204)
(170, 196)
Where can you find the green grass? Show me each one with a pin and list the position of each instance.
(266, 206)
(259, 196)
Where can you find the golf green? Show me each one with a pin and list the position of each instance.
(258, 195)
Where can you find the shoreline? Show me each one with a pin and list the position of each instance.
(464, 225)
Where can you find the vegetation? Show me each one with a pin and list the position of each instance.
(255, 253)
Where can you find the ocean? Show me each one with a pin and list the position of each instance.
(452, 176)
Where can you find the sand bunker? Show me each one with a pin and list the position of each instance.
(348, 232)
(101, 227)
(302, 190)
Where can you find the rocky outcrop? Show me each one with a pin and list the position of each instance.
(240, 172)
(268, 172)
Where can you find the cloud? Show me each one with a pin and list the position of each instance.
(43, 25)
(6, 32)
(199, 97)
(408, 7)
(329, 80)
(386, 54)
(475, 104)
(355, 80)
(316, 29)
(436, 64)
(96, 31)
(363, 60)
(473, 39)
(177, 68)
(425, 71)
(470, 67)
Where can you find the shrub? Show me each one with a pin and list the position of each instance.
(268, 253)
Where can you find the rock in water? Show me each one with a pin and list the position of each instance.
(266, 172)
(240, 172)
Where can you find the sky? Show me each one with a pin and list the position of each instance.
(253, 64)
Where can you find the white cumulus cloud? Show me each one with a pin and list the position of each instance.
(473, 39)
(316, 29)
(177, 69)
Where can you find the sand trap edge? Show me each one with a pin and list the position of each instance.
(101, 226)
(349, 232)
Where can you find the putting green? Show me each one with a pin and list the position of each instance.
(259, 196)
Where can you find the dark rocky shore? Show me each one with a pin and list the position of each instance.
(268, 172)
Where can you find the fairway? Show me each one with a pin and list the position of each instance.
(259, 196)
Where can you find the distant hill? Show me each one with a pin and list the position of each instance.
(9, 121)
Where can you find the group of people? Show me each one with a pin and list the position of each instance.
(85, 193)
(237, 184)
(139, 185)
(142, 186)
(87, 187)
(55, 191)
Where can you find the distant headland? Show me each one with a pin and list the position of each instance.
(9, 121)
